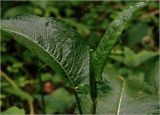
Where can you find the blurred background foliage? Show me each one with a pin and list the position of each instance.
(135, 55)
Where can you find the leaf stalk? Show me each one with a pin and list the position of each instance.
(93, 86)
(78, 102)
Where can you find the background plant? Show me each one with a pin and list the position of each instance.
(124, 71)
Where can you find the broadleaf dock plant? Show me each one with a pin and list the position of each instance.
(64, 50)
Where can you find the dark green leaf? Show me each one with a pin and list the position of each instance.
(142, 29)
(111, 36)
(54, 42)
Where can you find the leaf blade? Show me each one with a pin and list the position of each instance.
(126, 96)
(53, 41)
(111, 36)
(14, 110)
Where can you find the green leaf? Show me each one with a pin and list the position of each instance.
(132, 59)
(125, 96)
(81, 28)
(142, 29)
(152, 75)
(111, 36)
(58, 101)
(42, 4)
(23, 9)
(54, 42)
(129, 56)
(15, 89)
(20, 93)
(14, 110)
(144, 56)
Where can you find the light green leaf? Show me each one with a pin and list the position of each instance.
(111, 36)
(132, 59)
(144, 56)
(14, 110)
(54, 42)
(20, 93)
(117, 58)
(129, 56)
(81, 28)
(19, 10)
(125, 96)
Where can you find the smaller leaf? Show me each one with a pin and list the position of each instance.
(117, 58)
(23, 9)
(110, 38)
(144, 56)
(129, 56)
(14, 110)
(42, 4)
(132, 59)
(142, 29)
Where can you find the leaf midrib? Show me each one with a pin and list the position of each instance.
(44, 50)
(121, 95)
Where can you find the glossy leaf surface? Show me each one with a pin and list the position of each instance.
(54, 42)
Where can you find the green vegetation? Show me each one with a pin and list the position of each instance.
(81, 71)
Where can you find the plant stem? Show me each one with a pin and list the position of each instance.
(121, 95)
(94, 105)
(76, 96)
(41, 90)
(42, 95)
(78, 102)
(7, 78)
(93, 86)
(31, 107)
(14, 85)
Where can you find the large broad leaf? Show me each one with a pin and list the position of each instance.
(125, 96)
(54, 42)
(111, 36)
